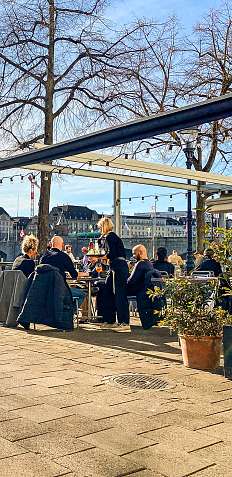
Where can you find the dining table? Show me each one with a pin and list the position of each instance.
(86, 282)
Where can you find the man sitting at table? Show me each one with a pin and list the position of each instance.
(162, 263)
(209, 264)
(59, 259)
(139, 281)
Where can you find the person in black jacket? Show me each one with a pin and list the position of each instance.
(138, 283)
(209, 264)
(162, 263)
(59, 259)
(136, 280)
(114, 295)
(25, 262)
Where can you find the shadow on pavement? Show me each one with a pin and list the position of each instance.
(155, 343)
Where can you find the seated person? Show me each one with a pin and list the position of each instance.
(175, 259)
(59, 259)
(92, 265)
(209, 264)
(198, 257)
(25, 262)
(138, 283)
(68, 250)
(162, 263)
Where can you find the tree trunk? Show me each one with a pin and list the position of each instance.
(200, 219)
(44, 200)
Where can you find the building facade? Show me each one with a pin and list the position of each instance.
(6, 226)
(72, 220)
(159, 225)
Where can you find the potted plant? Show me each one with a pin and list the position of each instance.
(199, 324)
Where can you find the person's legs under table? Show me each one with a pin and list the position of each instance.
(106, 301)
(121, 301)
(79, 294)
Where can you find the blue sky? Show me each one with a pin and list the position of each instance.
(95, 193)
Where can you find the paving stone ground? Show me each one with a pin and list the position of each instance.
(61, 415)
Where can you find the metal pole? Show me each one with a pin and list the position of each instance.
(189, 259)
(152, 235)
(153, 215)
(117, 207)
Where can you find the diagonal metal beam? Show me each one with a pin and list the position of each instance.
(159, 169)
(154, 125)
(110, 176)
(99, 159)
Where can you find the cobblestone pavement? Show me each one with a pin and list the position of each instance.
(60, 415)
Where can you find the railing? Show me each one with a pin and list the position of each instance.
(6, 265)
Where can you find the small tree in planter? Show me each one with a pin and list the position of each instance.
(199, 324)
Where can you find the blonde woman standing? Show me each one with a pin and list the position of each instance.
(25, 262)
(114, 295)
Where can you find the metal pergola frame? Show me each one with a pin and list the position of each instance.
(154, 125)
(79, 150)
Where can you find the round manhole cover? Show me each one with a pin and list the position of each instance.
(139, 381)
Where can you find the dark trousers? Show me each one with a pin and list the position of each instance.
(147, 308)
(112, 298)
(146, 311)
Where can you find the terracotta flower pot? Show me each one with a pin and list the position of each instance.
(201, 352)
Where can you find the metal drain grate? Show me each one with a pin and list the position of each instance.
(139, 381)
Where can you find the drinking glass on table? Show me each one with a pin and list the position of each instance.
(98, 268)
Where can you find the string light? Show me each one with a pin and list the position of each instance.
(74, 171)
(107, 164)
(148, 151)
(170, 147)
(226, 192)
(155, 196)
(11, 178)
(126, 156)
(90, 164)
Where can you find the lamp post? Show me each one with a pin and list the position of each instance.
(189, 154)
(153, 215)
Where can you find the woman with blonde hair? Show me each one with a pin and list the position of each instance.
(114, 295)
(25, 262)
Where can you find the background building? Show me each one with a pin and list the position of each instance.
(78, 224)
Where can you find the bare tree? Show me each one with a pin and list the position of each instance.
(208, 74)
(63, 69)
(190, 70)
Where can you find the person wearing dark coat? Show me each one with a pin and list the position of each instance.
(138, 283)
(209, 264)
(113, 298)
(48, 300)
(59, 259)
(162, 263)
(25, 262)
